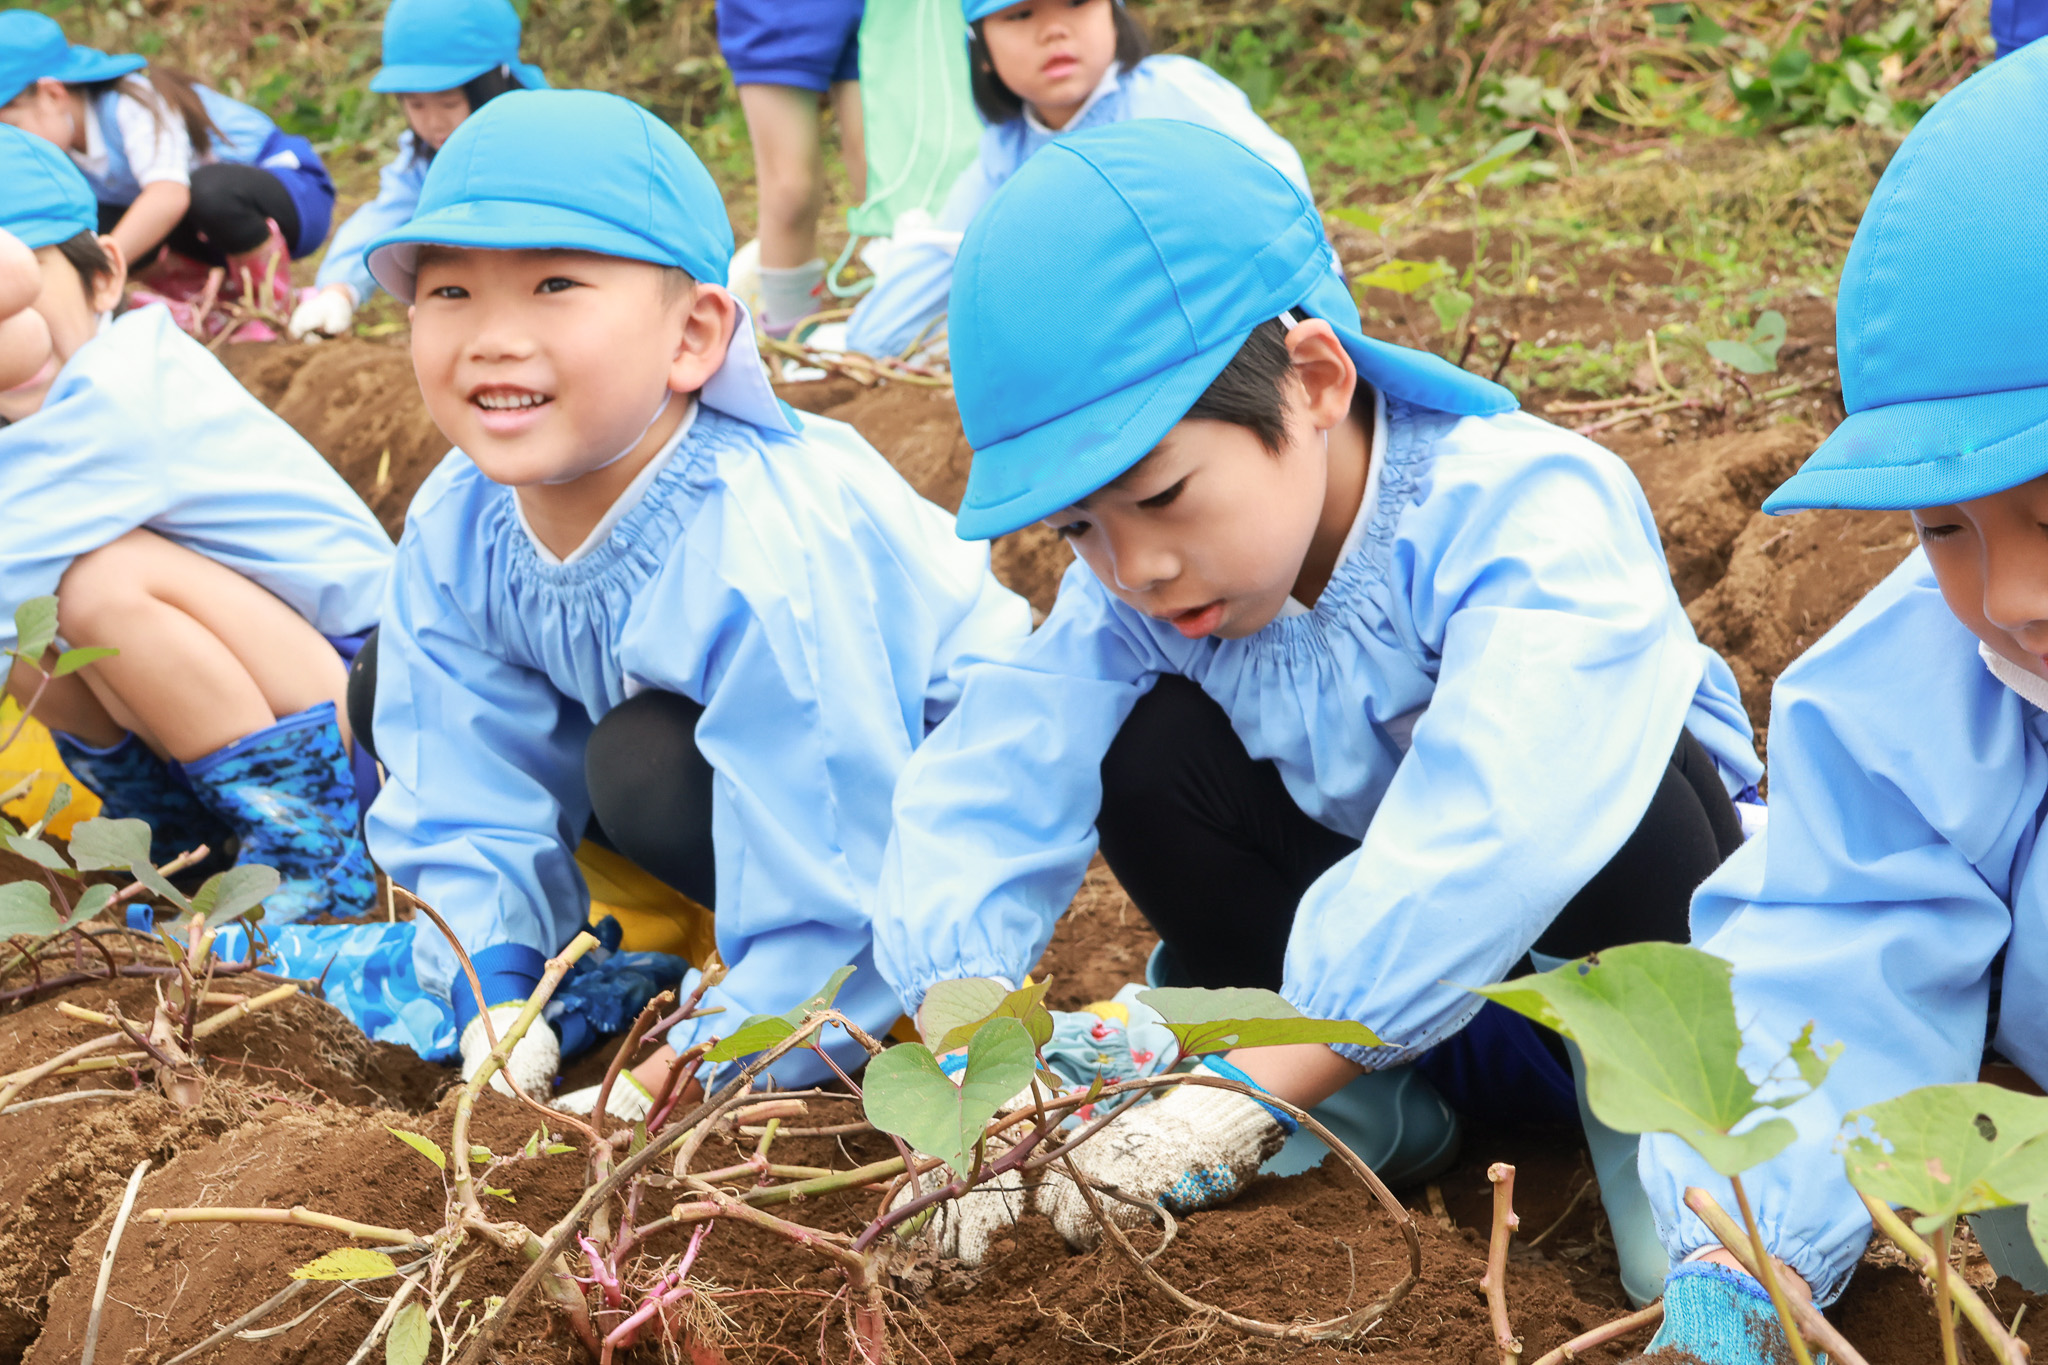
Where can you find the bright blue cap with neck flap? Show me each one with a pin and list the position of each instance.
(1941, 330)
(47, 199)
(1101, 290)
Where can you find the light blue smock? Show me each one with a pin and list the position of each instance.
(1907, 787)
(145, 427)
(912, 290)
(1487, 693)
(244, 139)
(795, 586)
(398, 194)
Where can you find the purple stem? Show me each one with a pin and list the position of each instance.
(960, 1185)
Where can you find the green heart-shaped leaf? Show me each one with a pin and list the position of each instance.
(1207, 1021)
(25, 908)
(1948, 1150)
(759, 1032)
(907, 1093)
(1656, 1022)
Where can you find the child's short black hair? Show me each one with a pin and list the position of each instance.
(999, 104)
(1250, 393)
(88, 258)
(499, 80)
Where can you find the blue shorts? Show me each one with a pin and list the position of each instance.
(810, 44)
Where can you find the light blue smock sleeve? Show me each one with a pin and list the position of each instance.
(911, 291)
(1906, 790)
(827, 617)
(995, 815)
(398, 195)
(1565, 675)
(484, 799)
(145, 428)
(1168, 86)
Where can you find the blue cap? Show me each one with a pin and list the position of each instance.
(982, 9)
(580, 170)
(1938, 329)
(441, 44)
(1100, 291)
(33, 48)
(47, 199)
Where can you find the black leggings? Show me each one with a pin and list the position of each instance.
(650, 786)
(231, 204)
(1217, 855)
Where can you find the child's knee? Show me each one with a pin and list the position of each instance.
(101, 582)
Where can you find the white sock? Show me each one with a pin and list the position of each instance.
(790, 294)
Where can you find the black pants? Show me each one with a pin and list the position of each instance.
(230, 206)
(650, 786)
(1216, 854)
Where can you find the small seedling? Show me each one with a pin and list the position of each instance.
(1758, 353)
(1946, 1151)
(1656, 1023)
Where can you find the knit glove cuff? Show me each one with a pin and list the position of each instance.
(1720, 1316)
(534, 1060)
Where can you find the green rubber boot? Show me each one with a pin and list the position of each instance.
(1394, 1120)
(2009, 1248)
(1636, 1244)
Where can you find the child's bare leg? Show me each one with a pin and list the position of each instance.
(66, 704)
(853, 147)
(782, 121)
(207, 656)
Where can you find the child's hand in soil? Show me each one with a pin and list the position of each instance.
(1192, 1149)
(535, 1058)
(1720, 1316)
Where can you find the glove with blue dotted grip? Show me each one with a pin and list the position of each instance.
(1721, 1317)
(1194, 1148)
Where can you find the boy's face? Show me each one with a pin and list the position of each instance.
(1210, 530)
(1990, 556)
(435, 114)
(62, 316)
(545, 365)
(1052, 53)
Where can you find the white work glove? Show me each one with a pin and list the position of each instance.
(327, 313)
(1192, 1149)
(534, 1060)
(629, 1101)
(960, 1229)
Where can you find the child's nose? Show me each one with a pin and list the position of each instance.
(2016, 585)
(1143, 563)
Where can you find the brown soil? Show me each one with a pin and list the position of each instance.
(300, 1113)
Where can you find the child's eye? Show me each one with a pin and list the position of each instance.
(1072, 529)
(1164, 498)
(449, 291)
(1938, 532)
(555, 284)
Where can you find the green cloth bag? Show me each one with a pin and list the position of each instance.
(918, 114)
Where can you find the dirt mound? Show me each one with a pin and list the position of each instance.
(1789, 580)
(359, 405)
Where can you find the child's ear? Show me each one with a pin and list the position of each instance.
(710, 317)
(1325, 370)
(107, 288)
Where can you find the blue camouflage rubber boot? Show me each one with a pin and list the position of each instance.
(1629, 1217)
(134, 784)
(1720, 1317)
(1394, 1120)
(290, 795)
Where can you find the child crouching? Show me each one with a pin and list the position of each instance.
(641, 598)
(180, 521)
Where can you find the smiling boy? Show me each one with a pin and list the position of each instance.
(1368, 684)
(641, 598)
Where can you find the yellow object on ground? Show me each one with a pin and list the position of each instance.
(35, 752)
(657, 918)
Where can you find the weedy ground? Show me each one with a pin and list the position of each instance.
(1690, 171)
